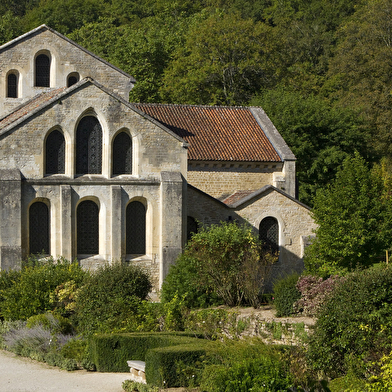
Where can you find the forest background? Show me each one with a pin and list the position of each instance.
(322, 71)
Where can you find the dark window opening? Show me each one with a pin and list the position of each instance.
(73, 79)
(42, 71)
(192, 227)
(55, 153)
(89, 146)
(122, 154)
(136, 228)
(87, 228)
(39, 228)
(269, 234)
(12, 86)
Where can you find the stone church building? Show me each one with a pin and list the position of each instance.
(85, 174)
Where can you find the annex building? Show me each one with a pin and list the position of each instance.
(85, 174)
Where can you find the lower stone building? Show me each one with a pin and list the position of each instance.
(85, 174)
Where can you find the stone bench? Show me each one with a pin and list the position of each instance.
(138, 371)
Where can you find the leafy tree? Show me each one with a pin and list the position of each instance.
(354, 221)
(64, 15)
(224, 60)
(320, 135)
(224, 260)
(365, 41)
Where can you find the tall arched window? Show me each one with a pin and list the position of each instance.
(191, 228)
(269, 234)
(87, 218)
(42, 71)
(12, 85)
(122, 154)
(55, 153)
(89, 146)
(39, 228)
(136, 228)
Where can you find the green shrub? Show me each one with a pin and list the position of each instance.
(177, 366)
(110, 299)
(7, 280)
(133, 386)
(110, 352)
(224, 262)
(52, 322)
(30, 294)
(286, 294)
(353, 329)
(246, 365)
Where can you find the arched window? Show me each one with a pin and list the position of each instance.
(136, 228)
(122, 154)
(39, 228)
(42, 71)
(72, 79)
(191, 228)
(12, 85)
(89, 146)
(269, 234)
(87, 228)
(55, 153)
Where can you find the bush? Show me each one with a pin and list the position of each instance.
(52, 322)
(110, 299)
(248, 365)
(133, 386)
(110, 352)
(30, 293)
(314, 292)
(286, 294)
(353, 329)
(177, 366)
(222, 261)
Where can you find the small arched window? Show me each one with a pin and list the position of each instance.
(269, 234)
(12, 85)
(136, 228)
(39, 228)
(191, 228)
(55, 153)
(42, 71)
(87, 228)
(122, 154)
(89, 146)
(72, 79)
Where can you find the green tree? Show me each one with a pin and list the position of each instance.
(222, 261)
(224, 60)
(320, 135)
(354, 220)
(360, 71)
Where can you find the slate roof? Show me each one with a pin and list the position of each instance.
(216, 133)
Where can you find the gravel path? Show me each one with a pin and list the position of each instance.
(18, 374)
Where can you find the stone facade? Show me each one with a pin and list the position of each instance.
(85, 174)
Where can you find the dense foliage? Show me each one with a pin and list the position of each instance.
(28, 292)
(110, 297)
(223, 262)
(286, 294)
(353, 330)
(354, 217)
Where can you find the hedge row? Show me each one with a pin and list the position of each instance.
(110, 352)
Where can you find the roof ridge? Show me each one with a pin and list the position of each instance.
(191, 105)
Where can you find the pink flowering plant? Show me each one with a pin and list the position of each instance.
(314, 291)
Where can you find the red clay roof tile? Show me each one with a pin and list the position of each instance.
(215, 133)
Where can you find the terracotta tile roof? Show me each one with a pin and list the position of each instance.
(215, 133)
(30, 105)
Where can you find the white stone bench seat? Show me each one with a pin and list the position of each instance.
(137, 369)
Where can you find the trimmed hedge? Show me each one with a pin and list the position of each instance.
(110, 352)
(169, 367)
